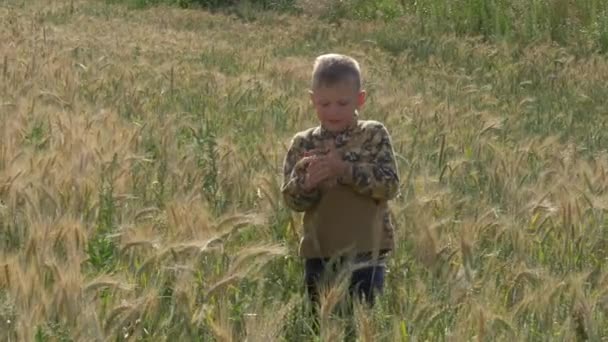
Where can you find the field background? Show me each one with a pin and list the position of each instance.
(141, 145)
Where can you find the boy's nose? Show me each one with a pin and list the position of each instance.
(334, 112)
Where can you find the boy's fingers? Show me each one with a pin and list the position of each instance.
(315, 174)
(308, 184)
(316, 164)
(318, 167)
(306, 160)
(315, 152)
(323, 163)
(319, 175)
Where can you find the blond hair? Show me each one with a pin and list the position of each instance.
(333, 68)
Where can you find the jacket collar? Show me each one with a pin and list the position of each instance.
(325, 133)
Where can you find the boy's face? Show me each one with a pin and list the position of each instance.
(336, 104)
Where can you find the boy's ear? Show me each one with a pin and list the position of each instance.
(312, 99)
(361, 98)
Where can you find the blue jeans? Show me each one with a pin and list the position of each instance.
(365, 282)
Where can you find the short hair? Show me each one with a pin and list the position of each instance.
(333, 68)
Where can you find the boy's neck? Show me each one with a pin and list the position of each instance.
(353, 124)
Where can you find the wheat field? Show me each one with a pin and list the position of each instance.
(140, 168)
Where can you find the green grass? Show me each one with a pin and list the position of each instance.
(579, 23)
(139, 198)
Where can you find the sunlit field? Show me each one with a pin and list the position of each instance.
(141, 149)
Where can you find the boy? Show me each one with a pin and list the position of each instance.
(341, 175)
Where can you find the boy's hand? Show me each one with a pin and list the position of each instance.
(306, 159)
(324, 167)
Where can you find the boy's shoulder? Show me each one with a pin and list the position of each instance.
(371, 126)
(306, 139)
(307, 133)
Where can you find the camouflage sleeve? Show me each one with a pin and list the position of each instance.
(293, 179)
(379, 177)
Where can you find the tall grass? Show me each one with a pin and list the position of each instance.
(140, 160)
(582, 25)
(578, 23)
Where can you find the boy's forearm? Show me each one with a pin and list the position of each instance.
(379, 181)
(298, 199)
(294, 171)
(379, 177)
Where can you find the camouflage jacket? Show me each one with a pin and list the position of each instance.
(372, 179)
